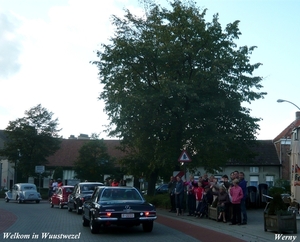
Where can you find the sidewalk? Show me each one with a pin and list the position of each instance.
(252, 232)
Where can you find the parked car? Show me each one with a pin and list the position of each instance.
(60, 197)
(121, 206)
(163, 188)
(23, 192)
(82, 192)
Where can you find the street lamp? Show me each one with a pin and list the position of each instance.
(281, 101)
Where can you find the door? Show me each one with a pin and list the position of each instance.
(15, 191)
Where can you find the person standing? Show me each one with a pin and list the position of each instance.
(236, 193)
(199, 191)
(115, 183)
(179, 194)
(54, 186)
(171, 189)
(204, 180)
(191, 198)
(243, 185)
(59, 182)
(50, 188)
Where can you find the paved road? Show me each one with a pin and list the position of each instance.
(28, 222)
(33, 220)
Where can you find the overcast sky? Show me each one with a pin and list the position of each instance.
(46, 47)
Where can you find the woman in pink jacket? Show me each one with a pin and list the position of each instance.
(236, 194)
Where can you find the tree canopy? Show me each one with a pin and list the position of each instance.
(31, 139)
(172, 81)
(93, 161)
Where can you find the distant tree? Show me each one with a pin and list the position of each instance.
(58, 173)
(171, 81)
(31, 139)
(93, 161)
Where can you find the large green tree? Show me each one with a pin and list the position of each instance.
(173, 81)
(31, 139)
(93, 161)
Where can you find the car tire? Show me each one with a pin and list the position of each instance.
(94, 227)
(85, 222)
(37, 201)
(148, 226)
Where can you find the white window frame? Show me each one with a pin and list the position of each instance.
(270, 180)
(254, 169)
(254, 181)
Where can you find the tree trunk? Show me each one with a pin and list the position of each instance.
(152, 182)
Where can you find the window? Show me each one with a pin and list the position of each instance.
(296, 134)
(254, 169)
(254, 181)
(270, 181)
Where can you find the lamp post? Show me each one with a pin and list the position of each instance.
(16, 167)
(281, 101)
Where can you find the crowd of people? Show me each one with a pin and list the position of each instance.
(115, 183)
(229, 195)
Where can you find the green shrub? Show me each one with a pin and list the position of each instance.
(2, 193)
(277, 205)
(281, 186)
(276, 190)
(159, 201)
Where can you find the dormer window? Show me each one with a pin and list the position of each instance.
(296, 134)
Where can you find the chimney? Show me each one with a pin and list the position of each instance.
(298, 115)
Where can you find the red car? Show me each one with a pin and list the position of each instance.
(60, 197)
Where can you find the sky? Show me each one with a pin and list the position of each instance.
(46, 47)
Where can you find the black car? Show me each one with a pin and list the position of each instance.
(82, 192)
(121, 206)
(163, 188)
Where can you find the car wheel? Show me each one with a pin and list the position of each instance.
(61, 206)
(94, 227)
(85, 222)
(37, 201)
(148, 226)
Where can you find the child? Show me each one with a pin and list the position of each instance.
(199, 190)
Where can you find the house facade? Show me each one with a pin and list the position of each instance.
(295, 164)
(271, 162)
(283, 143)
(263, 169)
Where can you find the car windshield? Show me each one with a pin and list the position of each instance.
(120, 194)
(28, 188)
(69, 189)
(88, 187)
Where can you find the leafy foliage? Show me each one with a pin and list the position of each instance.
(31, 139)
(58, 173)
(93, 161)
(277, 205)
(172, 81)
(281, 186)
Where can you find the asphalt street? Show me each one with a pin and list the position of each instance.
(35, 221)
